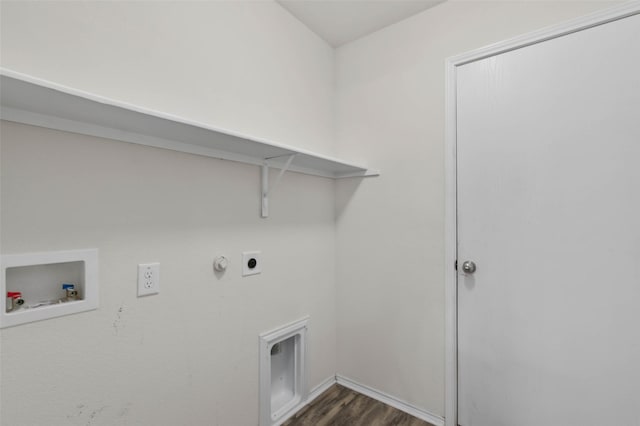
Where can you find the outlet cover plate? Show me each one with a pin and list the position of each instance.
(247, 257)
(148, 279)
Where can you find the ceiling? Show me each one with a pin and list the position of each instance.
(341, 21)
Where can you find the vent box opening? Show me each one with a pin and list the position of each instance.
(283, 374)
(283, 385)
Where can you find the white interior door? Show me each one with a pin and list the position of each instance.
(548, 160)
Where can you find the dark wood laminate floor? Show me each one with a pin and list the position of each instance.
(339, 406)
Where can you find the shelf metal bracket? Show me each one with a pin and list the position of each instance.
(265, 182)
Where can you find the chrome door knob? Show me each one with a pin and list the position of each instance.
(468, 267)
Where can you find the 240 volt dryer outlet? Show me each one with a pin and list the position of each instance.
(251, 263)
(148, 279)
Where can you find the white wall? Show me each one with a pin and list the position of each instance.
(188, 356)
(242, 65)
(390, 111)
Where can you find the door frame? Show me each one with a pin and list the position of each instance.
(451, 235)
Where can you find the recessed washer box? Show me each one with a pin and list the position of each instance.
(44, 282)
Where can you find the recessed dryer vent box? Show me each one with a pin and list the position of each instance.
(283, 372)
(39, 286)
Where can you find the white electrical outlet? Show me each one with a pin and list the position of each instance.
(148, 279)
(251, 263)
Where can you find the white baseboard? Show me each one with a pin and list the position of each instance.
(319, 390)
(313, 394)
(390, 400)
(371, 393)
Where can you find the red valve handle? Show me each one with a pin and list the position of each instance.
(14, 294)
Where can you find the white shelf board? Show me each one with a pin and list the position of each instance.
(29, 100)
